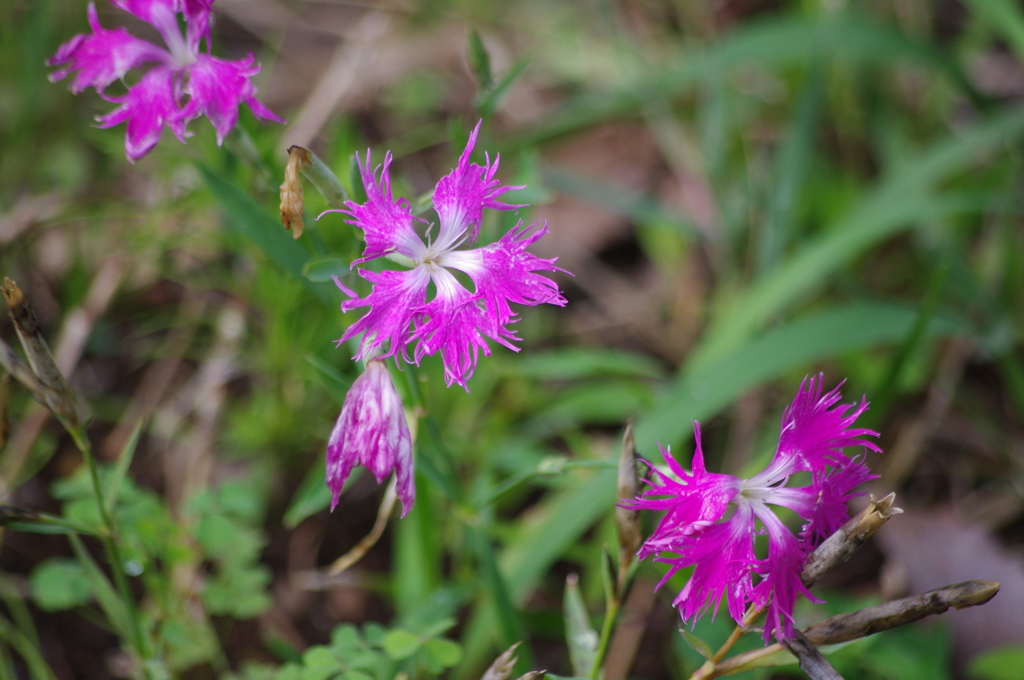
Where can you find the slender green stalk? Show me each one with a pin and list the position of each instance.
(607, 627)
(110, 545)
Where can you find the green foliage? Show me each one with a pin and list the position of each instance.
(60, 583)
(1001, 663)
(373, 653)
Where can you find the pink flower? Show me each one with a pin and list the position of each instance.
(699, 531)
(183, 85)
(371, 430)
(456, 321)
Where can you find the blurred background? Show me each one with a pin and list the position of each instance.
(747, 192)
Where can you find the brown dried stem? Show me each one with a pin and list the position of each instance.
(841, 545)
(858, 624)
(56, 394)
(812, 662)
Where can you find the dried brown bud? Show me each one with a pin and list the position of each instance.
(53, 391)
(292, 198)
(502, 667)
(627, 521)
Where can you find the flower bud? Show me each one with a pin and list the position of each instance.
(372, 431)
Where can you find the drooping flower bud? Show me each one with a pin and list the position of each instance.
(372, 431)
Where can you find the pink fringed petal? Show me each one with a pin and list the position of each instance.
(216, 88)
(387, 224)
(103, 57)
(461, 196)
(504, 272)
(693, 503)
(395, 298)
(780, 578)
(454, 324)
(148, 106)
(815, 430)
(722, 556)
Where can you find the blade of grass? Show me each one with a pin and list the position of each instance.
(248, 218)
(701, 391)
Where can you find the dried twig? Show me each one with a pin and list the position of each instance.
(812, 662)
(841, 545)
(57, 396)
(858, 624)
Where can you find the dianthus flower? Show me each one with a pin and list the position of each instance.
(183, 85)
(457, 320)
(698, 529)
(371, 431)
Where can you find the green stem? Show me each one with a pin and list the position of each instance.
(606, 636)
(110, 543)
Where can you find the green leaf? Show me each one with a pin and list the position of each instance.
(697, 644)
(401, 644)
(323, 269)
(121, 468)
(109, 600)
(1001, 663)
(491, 99)
(345, 637)
(904, 199)
(248, 218)
(312, 496)
(1005, 19)
(479, 61)
(443, 653)
(697, 393)
(60, 583)
(580, 636)
(580, 363)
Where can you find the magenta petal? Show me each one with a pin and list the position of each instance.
(455, 324)
(371, 430)
(198, 19)
(693, 503)
(387, 224)
(103, 57)
(780, 577)
(150, 11)
(504, 272)
(217, 88)
(722, 556)
(395, 298)
(148, 106)
(461, 196)
(815, 430)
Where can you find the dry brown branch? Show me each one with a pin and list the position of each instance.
(57, 396)
(812, 662)
(838, 547)
(69, 347)
(858, 624)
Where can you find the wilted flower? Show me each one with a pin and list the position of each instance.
(183, 85)
(371, 431)
(699, 529)
(457, 320)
